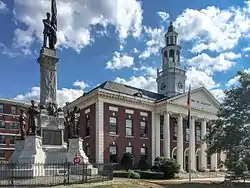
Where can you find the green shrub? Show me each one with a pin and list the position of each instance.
(240, 167)
(168, 166)
(143, 164)
(121, 174)
(127, 161)
(134, 175)
(150, 174)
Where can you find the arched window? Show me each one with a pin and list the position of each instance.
(171, 40)
(167, 40)
(178, 55)
(171, 54)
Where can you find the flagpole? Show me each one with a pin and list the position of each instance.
(189, 120)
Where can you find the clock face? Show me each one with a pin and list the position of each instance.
(163, 86)
(180, 85)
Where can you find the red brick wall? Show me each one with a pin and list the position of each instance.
(8, 118)
(121, 140)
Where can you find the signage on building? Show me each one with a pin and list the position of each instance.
(200, 102)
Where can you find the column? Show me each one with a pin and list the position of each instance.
(153, 140)
(223, 157)
(166, 135)
(214, 162)
(157, 136)
(99, 132)
(192, 153)
(203, 145)
(180, 142)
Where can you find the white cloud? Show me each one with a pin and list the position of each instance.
(81, 84)
(136, 51)
(3, 6)
(212, 28)
(120, 61)
(213, 64)
(63, 95)
(155, 41)
(75, 18)
(246, 49)
(147, 83)
(163, 15)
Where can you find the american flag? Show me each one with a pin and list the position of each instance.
(54, 14)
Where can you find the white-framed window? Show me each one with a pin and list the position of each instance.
(13, 110)
(129, 127)
(129, 149)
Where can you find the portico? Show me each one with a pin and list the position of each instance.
(203, 109)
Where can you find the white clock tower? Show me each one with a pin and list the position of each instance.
(171, 80)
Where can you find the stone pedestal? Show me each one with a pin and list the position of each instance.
(75, 149)
(19, 146)
(31, 158)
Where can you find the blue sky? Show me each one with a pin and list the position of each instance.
(103, 40)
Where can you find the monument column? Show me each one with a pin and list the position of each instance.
(192, 144)
(157, 135)
(48, 80)
(180, 142)
(203, 145)
(166, 131)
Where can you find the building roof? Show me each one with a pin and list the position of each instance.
(129, 90)
(14, 102)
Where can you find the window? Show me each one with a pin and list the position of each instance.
(13, 110)
(2, 155)
(2, 125)
(144, 152)
(14, 125)
(144, 132)
(171, 40)
(129, 127)
(129, 149)
(187, 134)
(187, 130)
(167, 40)
(87, 125)
(2, 139)
(112, 125)
(175, 130)
(198, 133)
(113, 154)
(1, 108)
(12, 139)
(161, 126)
(171, 54)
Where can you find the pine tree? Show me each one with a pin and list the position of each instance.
(231, 131)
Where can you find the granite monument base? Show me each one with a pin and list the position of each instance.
(76, 155)
(19, 146)
(30, 161)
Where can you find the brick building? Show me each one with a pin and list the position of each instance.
(9, 130)
(117, 118)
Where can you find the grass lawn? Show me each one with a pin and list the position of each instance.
(161, 184)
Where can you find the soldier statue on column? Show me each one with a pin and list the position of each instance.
(50, 27)
(33, 112)
(74, 122)
(22, 123)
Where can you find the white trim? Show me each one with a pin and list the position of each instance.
(112, 108)
(144, 114)
(172, 153)
(10, 134)
(153, 133)
(7, 148)
(127, 111)
(14, 102)
(99, 131)
(87, 111)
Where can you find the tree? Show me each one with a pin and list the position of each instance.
(231, 131)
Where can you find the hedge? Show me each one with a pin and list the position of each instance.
(150, 174)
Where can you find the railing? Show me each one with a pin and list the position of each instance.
(32, 175)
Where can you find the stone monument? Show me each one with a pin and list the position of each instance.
(44, 141)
